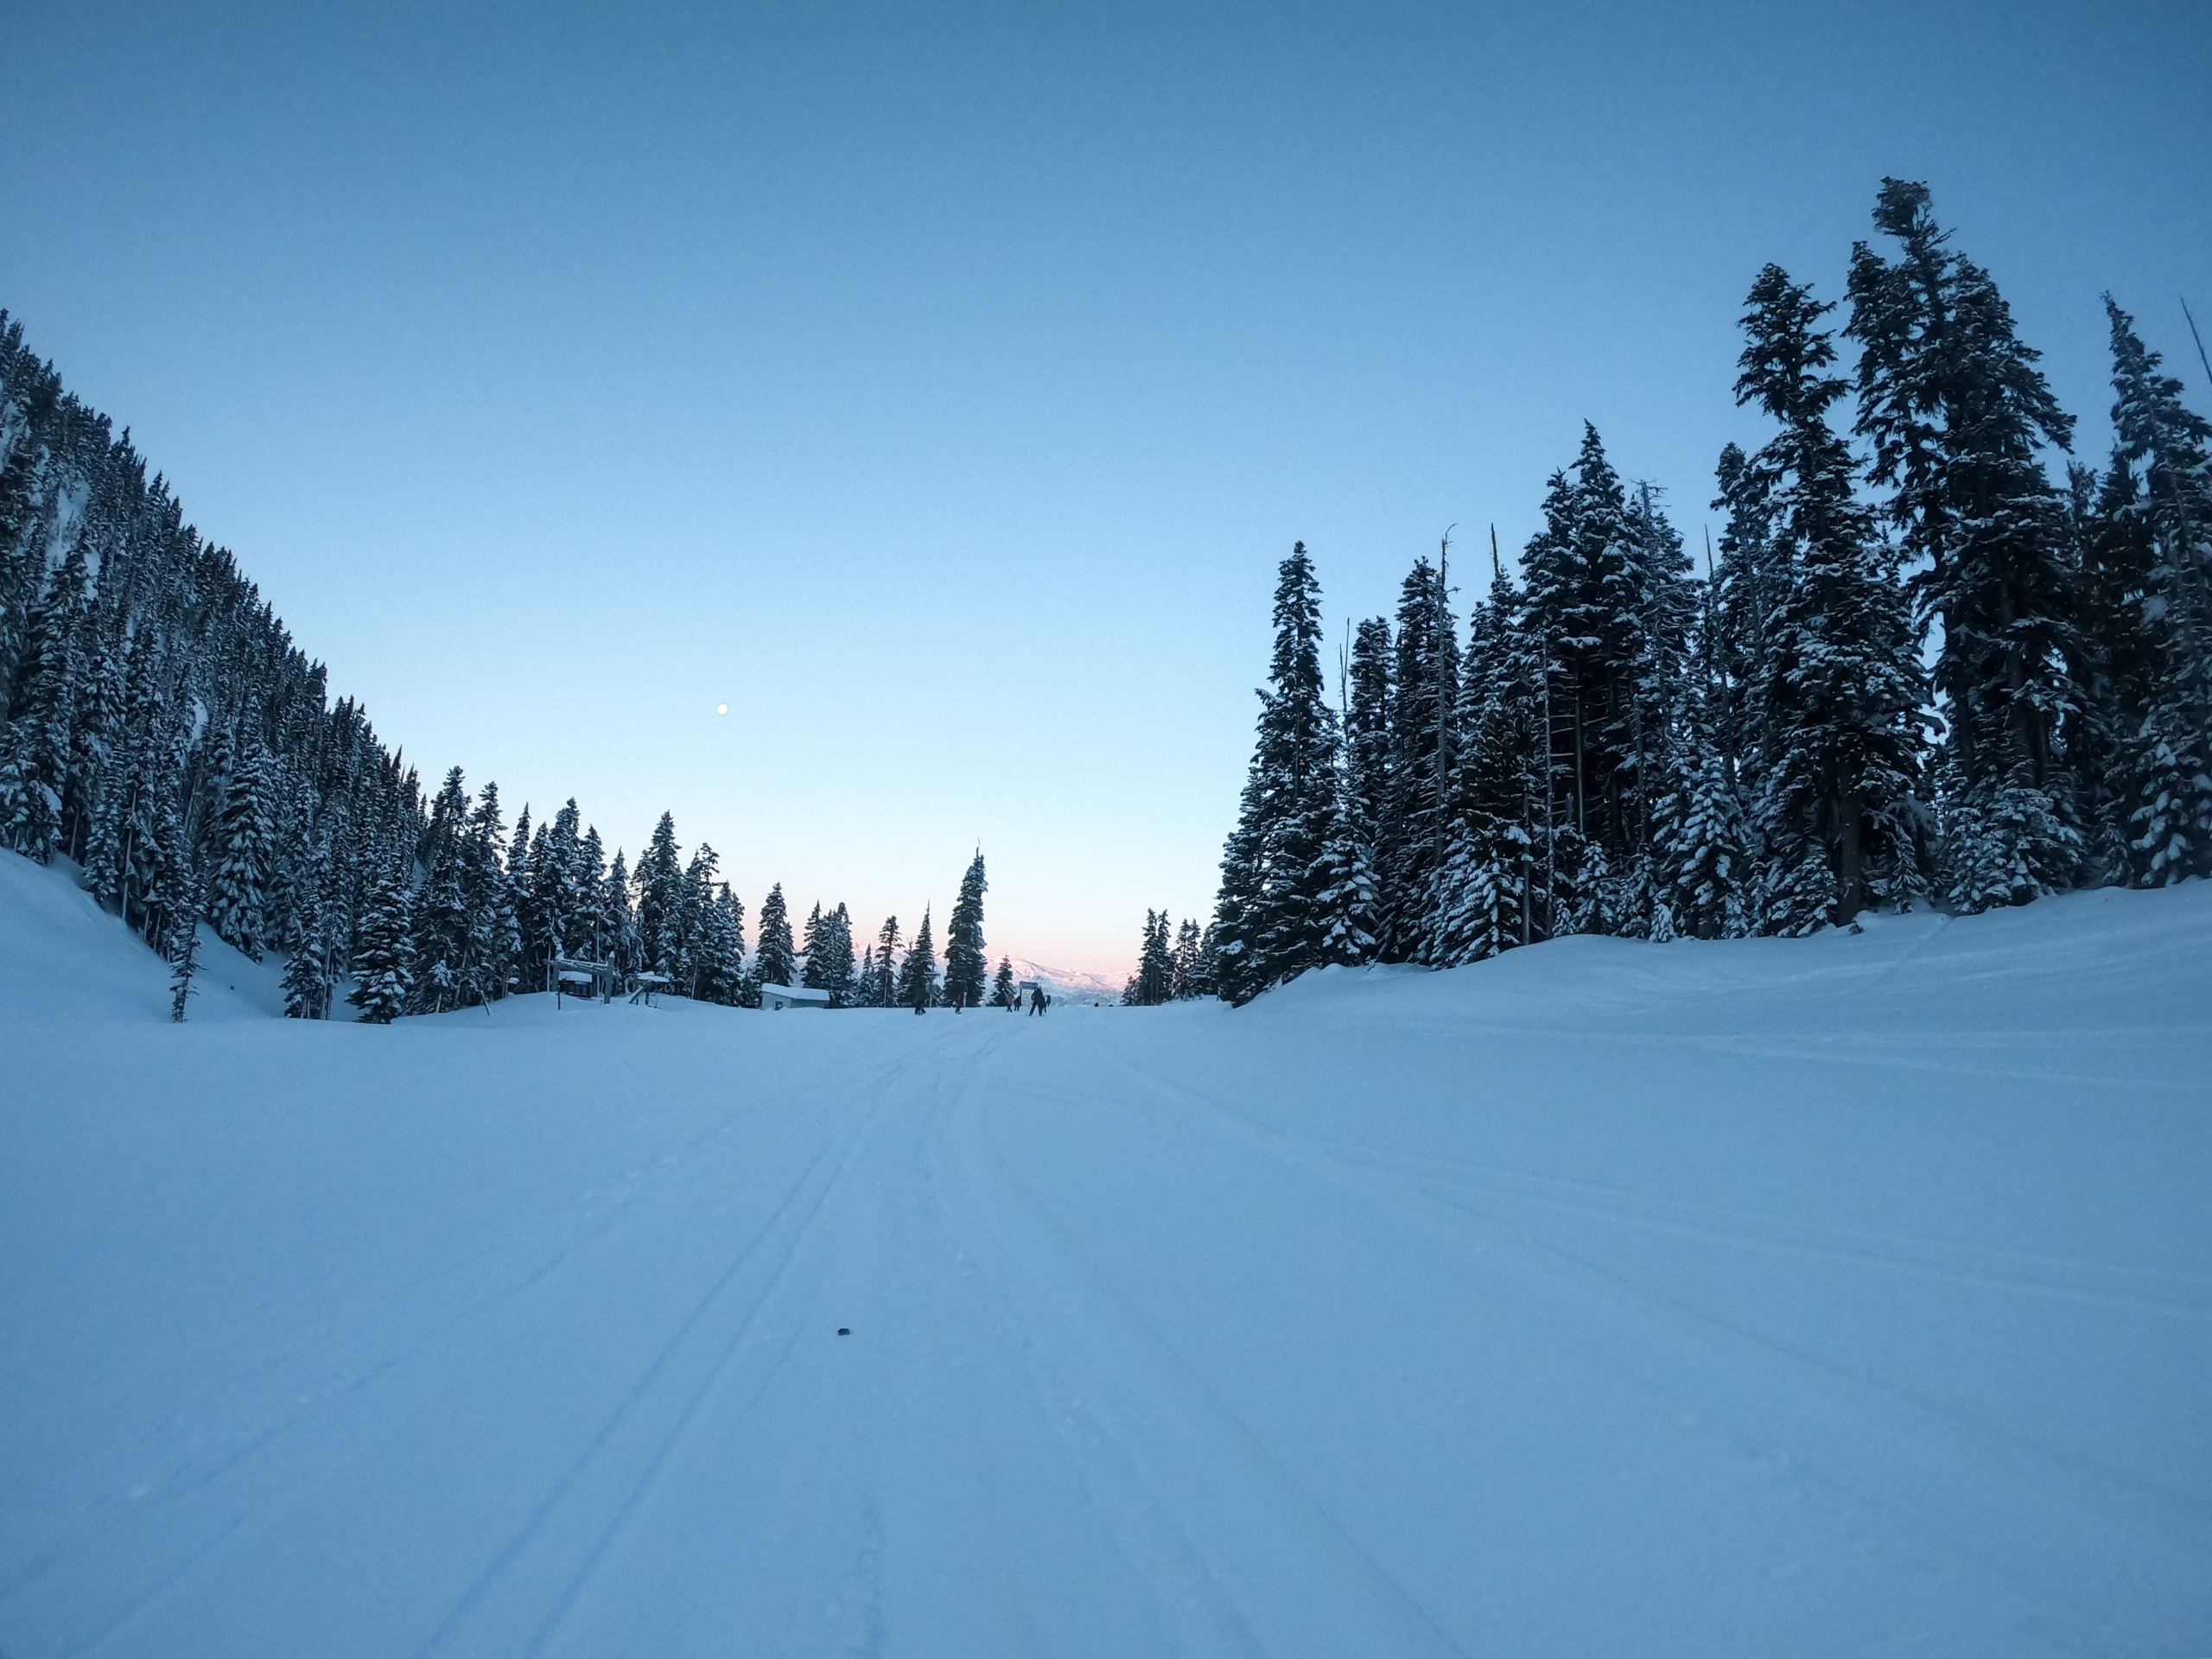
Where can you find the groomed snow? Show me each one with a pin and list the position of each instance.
(1826, 1297)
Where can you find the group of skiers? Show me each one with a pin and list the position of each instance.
(1038, 1000)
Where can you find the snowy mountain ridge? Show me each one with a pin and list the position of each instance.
(1069, 983)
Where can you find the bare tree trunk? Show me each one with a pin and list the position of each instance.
(1850, 879)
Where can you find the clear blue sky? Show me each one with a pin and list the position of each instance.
(939, 387)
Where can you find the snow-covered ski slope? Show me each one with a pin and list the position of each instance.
(1842, 1297)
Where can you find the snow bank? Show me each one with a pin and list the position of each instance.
(1807, 1298)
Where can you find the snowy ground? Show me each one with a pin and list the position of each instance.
(1839, 1297)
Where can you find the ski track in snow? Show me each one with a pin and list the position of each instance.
(1841, 1296)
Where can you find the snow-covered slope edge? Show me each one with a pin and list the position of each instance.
(1820, 1297)
(63, 958)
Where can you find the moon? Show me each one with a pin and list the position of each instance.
(721, 708)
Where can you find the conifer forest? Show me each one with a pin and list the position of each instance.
(1931, 659)
(159, 725)
(1917, 669)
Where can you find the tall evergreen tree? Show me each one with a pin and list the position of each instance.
(1955, 410)
(917, 980)
(43, 711)
(660, 883)
(1350, 900)
(718, 957)
(494, 932)
(437, 918)
(381, 975)
(883, 967)
(1704, 864)
(1838, 695)
(1273, 872)
(1152, 982)
(1239, 967)
(829, 955)
(1425, 696)
(774, 961)
(1186, 980)
(617, 931)
(965, 964)
(1746, 590)
(1486, 893)
(2162, 527)
(306, 972)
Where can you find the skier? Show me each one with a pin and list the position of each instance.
(1036, 1000)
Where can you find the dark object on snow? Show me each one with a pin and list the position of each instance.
(844, 1330)
(184, 959)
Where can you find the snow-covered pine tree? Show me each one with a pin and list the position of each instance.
(381, 974)
(1349, 883)
(2125, 660)
(1485, 896)
(530, 961)
(1666, 602)
(95, 733)
(965, 964)
(2170, 752)
(1416, 828)
(839, 970)
(531, 879)
(41, 709)
(307, 974)
(175, 888)
(1955, 411)
(829, 955)
(1747, 587)
(1184, 983)
(1838, 695)
(1566, 619)
(1002, 984)
(291, 846)
(918, 980)
(587, 881)
(1349, 897)
(564, 884)
(1152, 982)
(437, 920)
(1238, 967)
(810, 937)
(696, 925)
(883, 966)
(774, 961)
(30, 812)
(1206, 979)
(660, 883)
(1369, 749)
(1703, 861)
(617, 931)
(1267, 910)
(121, 855)
(495, 933)
(718, 955)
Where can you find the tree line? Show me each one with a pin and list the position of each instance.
(1916, 670)
(159, 727)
